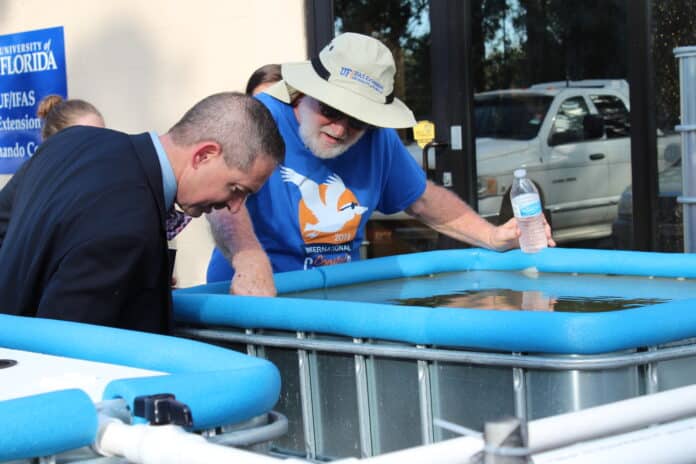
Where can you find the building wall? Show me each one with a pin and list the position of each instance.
(144, 63)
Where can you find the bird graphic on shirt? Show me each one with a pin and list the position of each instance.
(330, 212)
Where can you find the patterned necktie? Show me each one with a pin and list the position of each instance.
(175, 222)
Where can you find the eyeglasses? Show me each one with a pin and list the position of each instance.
(333, 114)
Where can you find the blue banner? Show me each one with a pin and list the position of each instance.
(32, 66)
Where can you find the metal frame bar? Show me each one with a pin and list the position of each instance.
(361, 385)
(365, 351)
(425, 400)
(686, 57)
(306, 397)
(519, 385)
(652, 382)
(252, 350)
(555, 363)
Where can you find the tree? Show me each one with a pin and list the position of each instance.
(393, 22)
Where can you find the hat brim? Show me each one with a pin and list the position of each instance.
(280, 90)
(302, 77)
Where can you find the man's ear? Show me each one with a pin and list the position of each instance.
(205, 151)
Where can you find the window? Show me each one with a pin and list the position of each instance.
(615, 114)
(515, 117)
(568, 124)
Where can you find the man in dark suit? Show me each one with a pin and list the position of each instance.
(86, 241)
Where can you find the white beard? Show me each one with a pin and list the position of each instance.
(310, 135)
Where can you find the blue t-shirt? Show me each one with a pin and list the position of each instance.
(313, 212)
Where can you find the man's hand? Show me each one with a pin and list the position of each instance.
(253, 276)
(506, 236)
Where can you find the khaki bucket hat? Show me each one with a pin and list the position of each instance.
(353, 74)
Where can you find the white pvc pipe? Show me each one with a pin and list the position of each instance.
(169, 444)
(613, 418)
(144, 444)
(557, 432)
(673, 443)
(454, 451)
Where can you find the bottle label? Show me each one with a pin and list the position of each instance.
(526, 205)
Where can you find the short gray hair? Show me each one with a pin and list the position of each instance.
(241, 124)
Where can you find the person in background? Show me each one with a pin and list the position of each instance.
(56, 114)
(86, 241)
(263, 78)
(337, 114)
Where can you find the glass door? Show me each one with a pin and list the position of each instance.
(549, 80)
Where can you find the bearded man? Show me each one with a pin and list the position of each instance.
(337, 114)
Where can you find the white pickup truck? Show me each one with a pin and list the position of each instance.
(574, 140)
(573, 137)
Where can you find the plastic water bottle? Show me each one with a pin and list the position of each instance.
(526, 205)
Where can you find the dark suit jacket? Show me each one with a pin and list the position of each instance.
(86, 241)
(7, 195)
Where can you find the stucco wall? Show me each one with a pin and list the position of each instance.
(143, 63)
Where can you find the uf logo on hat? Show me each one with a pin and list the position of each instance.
(361, 78)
